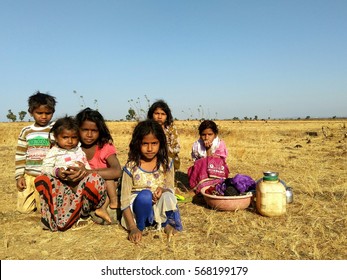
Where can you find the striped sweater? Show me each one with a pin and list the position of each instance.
(32, 147)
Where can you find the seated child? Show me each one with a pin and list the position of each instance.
(209, 154)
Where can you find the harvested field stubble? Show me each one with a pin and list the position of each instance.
(314, 227)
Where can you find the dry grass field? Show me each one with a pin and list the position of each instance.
(314, 227)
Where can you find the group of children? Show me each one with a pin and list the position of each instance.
(69, 170)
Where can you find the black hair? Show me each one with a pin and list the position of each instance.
(67, 122)
(162, 105)
(88, 114)
(38, 99)
(142, 129)
(208, 124)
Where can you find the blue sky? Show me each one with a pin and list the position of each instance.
(224, 59)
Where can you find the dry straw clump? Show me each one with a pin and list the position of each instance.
(314, 227)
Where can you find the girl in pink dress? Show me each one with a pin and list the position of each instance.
(209, 154)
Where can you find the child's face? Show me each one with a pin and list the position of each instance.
(67, 139)
(42, 115)
(89, 133)
(149, 147)
(207, 135)
(159, 116)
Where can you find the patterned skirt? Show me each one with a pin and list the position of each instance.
(62, 206)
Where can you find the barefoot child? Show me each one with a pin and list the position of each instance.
(68, 191)
(147, 195)
(97, 143)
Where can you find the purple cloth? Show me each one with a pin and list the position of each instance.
(242, 183)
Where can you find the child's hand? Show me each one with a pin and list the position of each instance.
(157, 194)
(76, 174)
(21, 186)
(135, 235)
(80, 165)
(207, 144)
(62, 174)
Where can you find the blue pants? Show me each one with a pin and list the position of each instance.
(144, 213)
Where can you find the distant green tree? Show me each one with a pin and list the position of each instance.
(22, 115)
(307, 117)
(131, 115)
(137, 111)
(11, 116)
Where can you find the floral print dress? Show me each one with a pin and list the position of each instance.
(173, 144)
(62, 205)
(135, 179)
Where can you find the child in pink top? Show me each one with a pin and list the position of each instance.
(97, 143)
(209, 154)
(209, 144)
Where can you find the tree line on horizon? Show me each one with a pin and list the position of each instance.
(138, 111)
(137, 114)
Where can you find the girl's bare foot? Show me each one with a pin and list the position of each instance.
(170, 231)
(102, 213)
